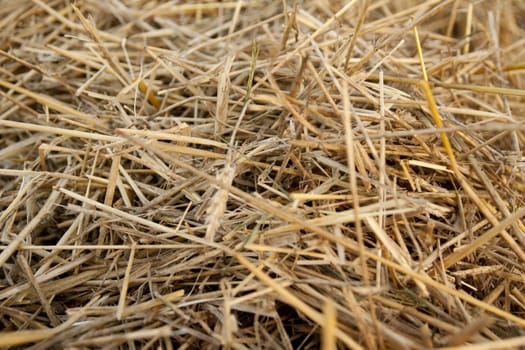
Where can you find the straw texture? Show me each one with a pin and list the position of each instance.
(259, 174)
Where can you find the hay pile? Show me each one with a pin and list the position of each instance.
(262, 174)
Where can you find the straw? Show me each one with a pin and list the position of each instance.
(262, 174)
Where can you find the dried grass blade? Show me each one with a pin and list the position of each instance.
(56, 105)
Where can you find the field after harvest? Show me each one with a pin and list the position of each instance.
(258, 174)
